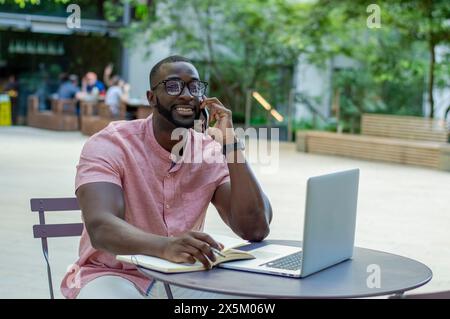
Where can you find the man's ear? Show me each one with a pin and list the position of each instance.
(150, 96)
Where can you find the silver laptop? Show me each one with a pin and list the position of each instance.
(328, 234)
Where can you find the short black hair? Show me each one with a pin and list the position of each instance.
(73, 78)
(170, 59)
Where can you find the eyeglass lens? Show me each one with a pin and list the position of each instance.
(174, 87)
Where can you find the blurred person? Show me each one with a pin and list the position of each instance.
(68, 88)
(42, 88)
(118, 92)
(91, 85)
(107, 75)
(12, 89)
(11, 86)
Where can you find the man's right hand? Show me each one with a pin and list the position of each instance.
(190, 247)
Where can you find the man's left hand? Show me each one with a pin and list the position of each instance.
(222, 131)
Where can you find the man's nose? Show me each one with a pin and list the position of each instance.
(186, 94)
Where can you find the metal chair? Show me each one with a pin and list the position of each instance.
(44, 231)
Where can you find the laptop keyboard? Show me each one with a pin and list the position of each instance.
(289, 262)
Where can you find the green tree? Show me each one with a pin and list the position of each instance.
(399, 53)
(253, 44)
(243, 44)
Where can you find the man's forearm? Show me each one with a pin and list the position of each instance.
(251, 212)
(118, 237)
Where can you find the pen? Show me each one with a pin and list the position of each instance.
(215, 250)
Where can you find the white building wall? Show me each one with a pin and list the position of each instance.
(313, 82)
(140, 66)
(316, 82)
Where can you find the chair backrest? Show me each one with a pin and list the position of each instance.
(404, 127)
(88, 108)
(44, 231)
(64, 106)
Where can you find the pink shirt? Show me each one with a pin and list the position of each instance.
(159, 198)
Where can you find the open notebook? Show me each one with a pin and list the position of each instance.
(154, 263)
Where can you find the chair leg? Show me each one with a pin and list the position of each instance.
(399, 295)
(49, 271)
(168, 291)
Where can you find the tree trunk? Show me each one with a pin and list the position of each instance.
(431, 46)
(431, 79)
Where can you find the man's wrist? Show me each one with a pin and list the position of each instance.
(156, 246)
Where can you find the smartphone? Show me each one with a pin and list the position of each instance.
(206, 117)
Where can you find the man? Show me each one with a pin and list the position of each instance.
(91, 85)
(69, 87)
(136, 199)
(12, 89)
(117, 93)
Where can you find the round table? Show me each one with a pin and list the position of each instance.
(350, 279)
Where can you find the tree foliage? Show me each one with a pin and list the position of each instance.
(243, 44)
(401, 54)
(255, 44)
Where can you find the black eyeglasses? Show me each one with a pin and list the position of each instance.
(174, 87)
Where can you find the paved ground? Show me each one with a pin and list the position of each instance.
(403, 210)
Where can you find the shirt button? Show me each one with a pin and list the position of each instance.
(167, 206)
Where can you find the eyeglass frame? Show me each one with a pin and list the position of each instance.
(182, 87)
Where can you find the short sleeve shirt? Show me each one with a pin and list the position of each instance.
(163, 195)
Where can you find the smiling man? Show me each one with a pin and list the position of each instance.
(135, 199)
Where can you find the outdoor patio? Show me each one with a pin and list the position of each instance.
(401, 209)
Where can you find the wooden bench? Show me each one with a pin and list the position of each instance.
(95, 116)
(62, 116)
(404, 127)
(139, 110)
(398, 139)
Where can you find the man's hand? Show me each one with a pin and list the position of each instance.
(190, 247)
(108, 69)
(222, 131)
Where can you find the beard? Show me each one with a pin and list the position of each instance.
(168, 114)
